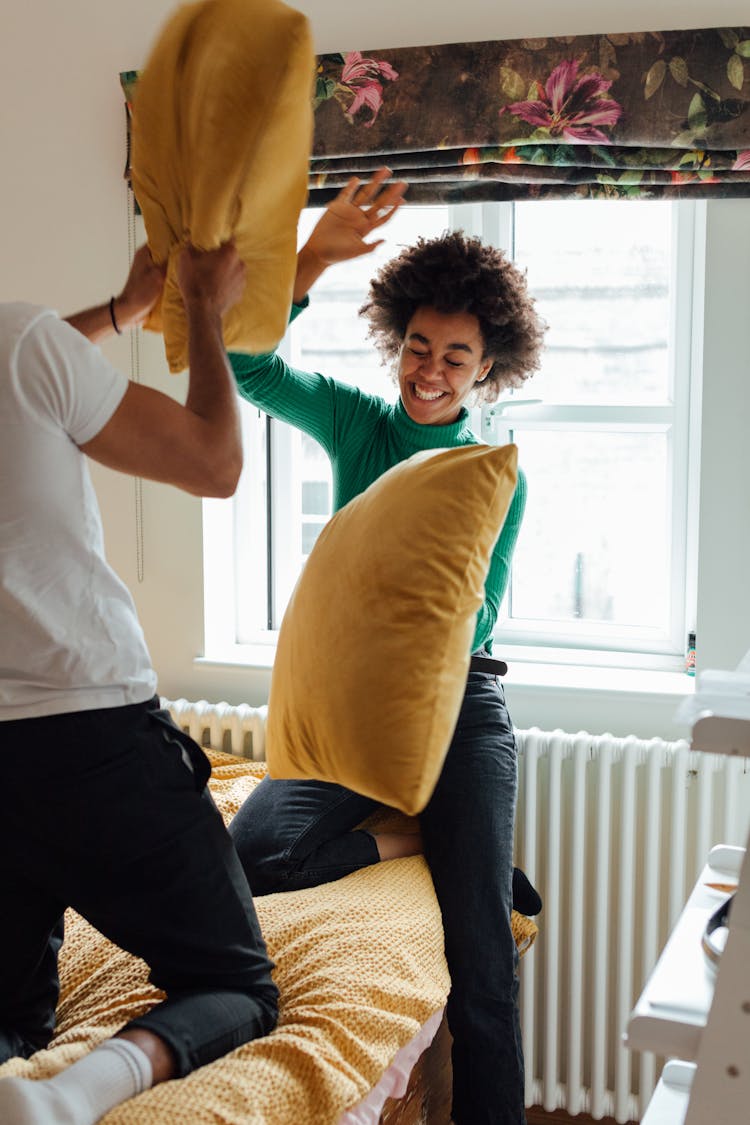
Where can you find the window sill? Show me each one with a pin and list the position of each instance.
(258, 656)
(588, 678)
(574, 697)
(530, 680)
(522, 675)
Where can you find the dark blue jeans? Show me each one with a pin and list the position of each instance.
(107, 811)
(294, 834)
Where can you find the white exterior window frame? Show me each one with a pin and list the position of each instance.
(232, 543)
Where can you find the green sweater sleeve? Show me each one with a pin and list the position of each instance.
(499, 572)
(302, 398)
(314, 403)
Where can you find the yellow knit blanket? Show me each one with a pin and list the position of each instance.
(360, 968)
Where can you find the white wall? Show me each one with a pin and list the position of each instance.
(64, 242)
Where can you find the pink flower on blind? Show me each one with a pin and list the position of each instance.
(361, 77)
(570, 106)
(742, 163)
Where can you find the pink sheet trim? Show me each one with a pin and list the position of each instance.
(395, 1079)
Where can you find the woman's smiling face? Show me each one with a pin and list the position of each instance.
(441, 360)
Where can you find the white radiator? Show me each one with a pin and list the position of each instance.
(237, 730)
(613, 832)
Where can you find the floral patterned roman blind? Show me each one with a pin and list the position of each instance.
(649, 115)
(645, 115)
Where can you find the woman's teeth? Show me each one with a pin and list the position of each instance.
(425, 395)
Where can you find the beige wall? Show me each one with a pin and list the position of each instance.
(64, 242)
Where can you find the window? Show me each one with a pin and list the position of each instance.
(603, 433)
(602, 559)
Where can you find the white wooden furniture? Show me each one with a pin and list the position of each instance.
(697, 1017)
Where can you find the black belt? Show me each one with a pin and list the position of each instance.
(488, 665)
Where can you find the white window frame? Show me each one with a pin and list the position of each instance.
(591, 642)
(494, 223)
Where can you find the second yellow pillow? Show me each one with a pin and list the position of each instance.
(374, 648)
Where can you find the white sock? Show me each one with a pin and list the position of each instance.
(113, 1072)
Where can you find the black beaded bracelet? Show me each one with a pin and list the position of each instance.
(112, 316)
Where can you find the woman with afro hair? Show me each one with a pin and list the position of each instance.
(455, 319)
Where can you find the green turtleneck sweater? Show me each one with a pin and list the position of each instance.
(364, 436)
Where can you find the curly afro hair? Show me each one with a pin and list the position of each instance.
(457, 273)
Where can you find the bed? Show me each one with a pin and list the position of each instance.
(363, 983)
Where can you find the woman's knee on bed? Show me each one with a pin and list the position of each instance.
(266, 869)
(286, 826)
(260, 837)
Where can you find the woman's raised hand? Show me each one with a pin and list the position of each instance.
(358, 210)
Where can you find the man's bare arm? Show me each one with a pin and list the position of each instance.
(198, 446)
(130, 308)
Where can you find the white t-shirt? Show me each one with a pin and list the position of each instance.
(69, 635)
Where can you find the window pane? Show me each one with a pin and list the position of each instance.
(310, 532)
(600, 271)
(316, 497)
(317, 489)
(594, 544)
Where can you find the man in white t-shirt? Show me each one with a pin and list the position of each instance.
(105, 806)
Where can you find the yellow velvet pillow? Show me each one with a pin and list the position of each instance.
(221, 136)
(374, 648)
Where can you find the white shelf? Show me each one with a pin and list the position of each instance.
(669, 1103)
(673, 1008)
(718, 734)
(677, 1014)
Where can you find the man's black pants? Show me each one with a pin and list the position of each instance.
(107, 811)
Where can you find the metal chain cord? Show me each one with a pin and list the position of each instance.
(135, 375)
